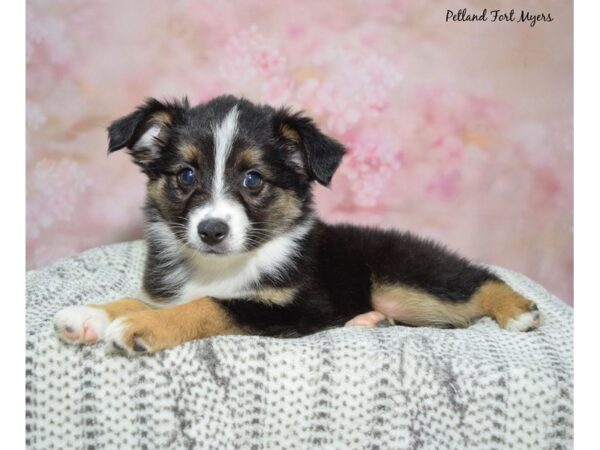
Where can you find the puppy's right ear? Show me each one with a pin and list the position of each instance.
(145, 131)
(319, 154)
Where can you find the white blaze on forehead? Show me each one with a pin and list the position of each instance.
(224, 135)
(221, 206)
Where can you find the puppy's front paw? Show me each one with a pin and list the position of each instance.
(81, 324)
(139, 333)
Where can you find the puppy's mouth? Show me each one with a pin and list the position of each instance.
(212, 251)
(224, 249)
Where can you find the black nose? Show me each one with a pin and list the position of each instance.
(212, 231)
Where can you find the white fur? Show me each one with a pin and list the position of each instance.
(228, 276)
(114, 335)
(227, 210)
(78, 317)
(169, 269)
(221, 207)
(524, 321)
(148, 141)
(224, 135)
(159, 232)
(234, 276)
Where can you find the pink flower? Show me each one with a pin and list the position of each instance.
(357, 86)
(373, 157)
(250, 57)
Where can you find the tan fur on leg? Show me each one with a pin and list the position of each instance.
(157, 329)
(506, 306)
(415, 307)
(121, 307)
(495, 299)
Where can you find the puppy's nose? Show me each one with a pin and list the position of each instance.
(212, 231)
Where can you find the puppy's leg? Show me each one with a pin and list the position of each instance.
(412, 306)
(156, 329)
(87, 324)
(510, 309)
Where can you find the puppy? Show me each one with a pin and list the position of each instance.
(235, 247)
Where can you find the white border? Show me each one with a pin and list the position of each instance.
(12, 187)
(587, 224)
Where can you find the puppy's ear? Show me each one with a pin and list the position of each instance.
(145, 131)
(319, 154)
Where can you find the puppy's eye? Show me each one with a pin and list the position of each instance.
(253, 180)
(186, 176)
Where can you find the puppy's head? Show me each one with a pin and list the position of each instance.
(226, 176)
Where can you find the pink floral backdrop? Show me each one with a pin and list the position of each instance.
(458, 131)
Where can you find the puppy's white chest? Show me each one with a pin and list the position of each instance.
(239, 276)
(221, 289)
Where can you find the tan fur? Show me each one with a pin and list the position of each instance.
(122, 307)
(289, 133)
(162, 118)
(285, 208)
(276, 296)
(416, 307)
(190, 152)
(249, 157)
(501, 302)
(159, 329)
(156, 191)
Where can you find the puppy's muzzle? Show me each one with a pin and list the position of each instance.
(213, 231)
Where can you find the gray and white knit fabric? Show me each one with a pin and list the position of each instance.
(397, 387)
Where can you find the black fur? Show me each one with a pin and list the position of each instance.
(323, 154)
(334, 274)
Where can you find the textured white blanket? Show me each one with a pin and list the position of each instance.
(396, 387)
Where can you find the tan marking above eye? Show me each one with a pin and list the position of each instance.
(249, 157)
(189, 152)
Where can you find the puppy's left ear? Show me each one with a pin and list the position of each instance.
(320, 154)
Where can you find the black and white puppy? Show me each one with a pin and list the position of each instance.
(234, 246)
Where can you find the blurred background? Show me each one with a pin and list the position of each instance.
(462, 132)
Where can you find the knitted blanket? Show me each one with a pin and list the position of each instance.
(397, 387)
